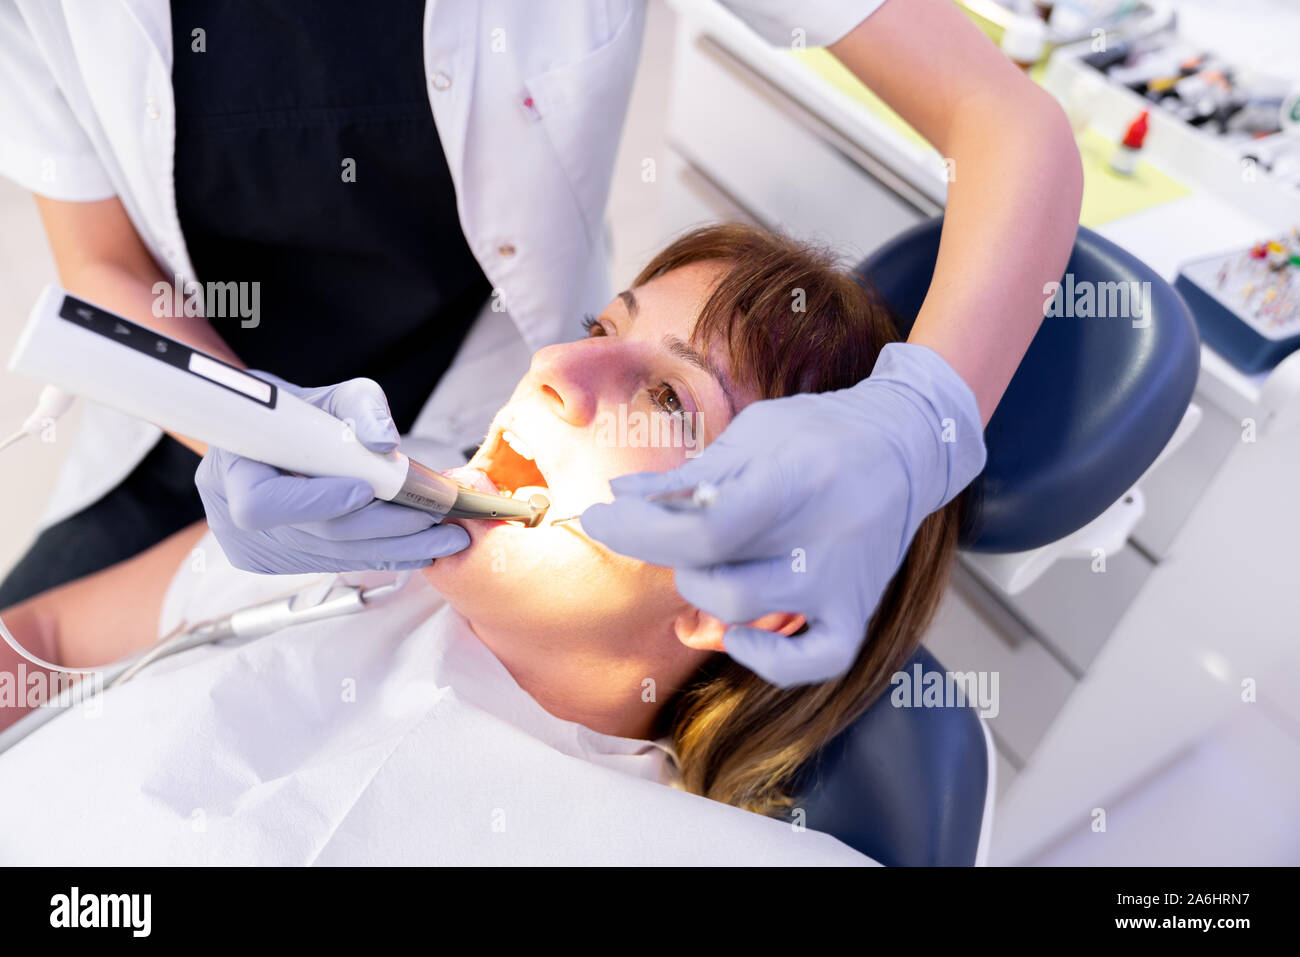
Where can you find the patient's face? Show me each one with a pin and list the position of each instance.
(627, 398)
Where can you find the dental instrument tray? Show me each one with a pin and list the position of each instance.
(1247, 302)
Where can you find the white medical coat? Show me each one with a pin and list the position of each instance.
(529, 99)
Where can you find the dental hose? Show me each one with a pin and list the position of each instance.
(323, 599)
(113, 674)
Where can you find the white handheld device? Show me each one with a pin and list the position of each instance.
(91, 352)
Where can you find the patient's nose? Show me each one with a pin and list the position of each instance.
(566, 379)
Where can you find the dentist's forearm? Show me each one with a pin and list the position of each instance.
(1013, 205)
(133, 296)
(1009, 227)
(100, 255)
(130, 295)
(101, 258)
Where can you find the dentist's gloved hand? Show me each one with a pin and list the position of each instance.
(270, 522)
(819, 496)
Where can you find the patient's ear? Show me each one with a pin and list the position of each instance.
(700, 630)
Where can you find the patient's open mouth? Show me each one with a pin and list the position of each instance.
(505, 465)
(508, 465)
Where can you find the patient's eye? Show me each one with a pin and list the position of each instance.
(592, 326)
(665, 396)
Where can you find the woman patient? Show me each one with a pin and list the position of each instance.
(724, 316)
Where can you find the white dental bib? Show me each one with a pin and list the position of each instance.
(392, 736)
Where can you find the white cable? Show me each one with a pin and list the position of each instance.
(124, 668)
(12, 642)
(133, 657)
(51, 404)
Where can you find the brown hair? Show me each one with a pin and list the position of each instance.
(740, 740)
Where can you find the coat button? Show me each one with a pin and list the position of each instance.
(151, 107)
(506, 250)
(440, 81)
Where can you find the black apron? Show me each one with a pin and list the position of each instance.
(307, 160)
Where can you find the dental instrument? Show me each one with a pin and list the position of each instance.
(88, 351)
(700, 496)
(318, 601)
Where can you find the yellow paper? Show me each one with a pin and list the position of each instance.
(1108, 195)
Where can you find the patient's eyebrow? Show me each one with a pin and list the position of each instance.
(684, 350)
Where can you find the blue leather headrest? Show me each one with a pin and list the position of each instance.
(1091, 406)
(905, 786)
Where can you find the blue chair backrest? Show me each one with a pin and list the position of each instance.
(1091, 406)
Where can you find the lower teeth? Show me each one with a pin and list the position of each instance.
(526, 492)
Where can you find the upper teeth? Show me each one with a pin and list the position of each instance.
(516, 443)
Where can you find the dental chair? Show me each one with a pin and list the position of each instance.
(1090, 408)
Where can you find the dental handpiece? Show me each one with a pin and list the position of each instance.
(91, 352)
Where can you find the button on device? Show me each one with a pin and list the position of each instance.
(440, 81)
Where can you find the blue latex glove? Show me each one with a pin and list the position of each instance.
(274, 523)
(819, 496)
